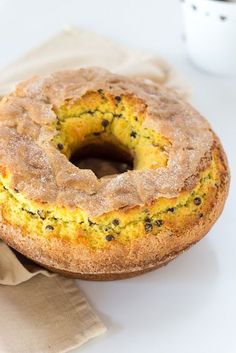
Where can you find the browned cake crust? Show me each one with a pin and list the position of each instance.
(145, 253)
(193, 144)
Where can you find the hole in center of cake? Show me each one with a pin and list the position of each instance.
(103, 159)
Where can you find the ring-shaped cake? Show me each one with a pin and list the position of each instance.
(69, 220)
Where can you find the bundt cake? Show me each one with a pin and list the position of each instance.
(72, 221)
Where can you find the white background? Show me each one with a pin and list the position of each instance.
(190, 305)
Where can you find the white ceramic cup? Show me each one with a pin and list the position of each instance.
(210, 33)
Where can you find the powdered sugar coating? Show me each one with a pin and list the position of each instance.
(44, 174)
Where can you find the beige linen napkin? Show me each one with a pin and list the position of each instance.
(43, 312)
(74, 48)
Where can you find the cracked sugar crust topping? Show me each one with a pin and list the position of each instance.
(42, 173)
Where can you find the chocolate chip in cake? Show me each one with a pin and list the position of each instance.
(49, 227)
(100, 91)
(60, 146)
(96, 133)
(133, 134)
(197, 201)
(148, 225)
(159, 222)
(118, 99)
(105, 122)
(200, 215)
(171, 209)
(116, 222)
(109, 237)
(16, 190)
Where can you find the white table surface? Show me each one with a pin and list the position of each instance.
(188, 306)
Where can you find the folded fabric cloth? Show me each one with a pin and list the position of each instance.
(75, 48)
(42, 312)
